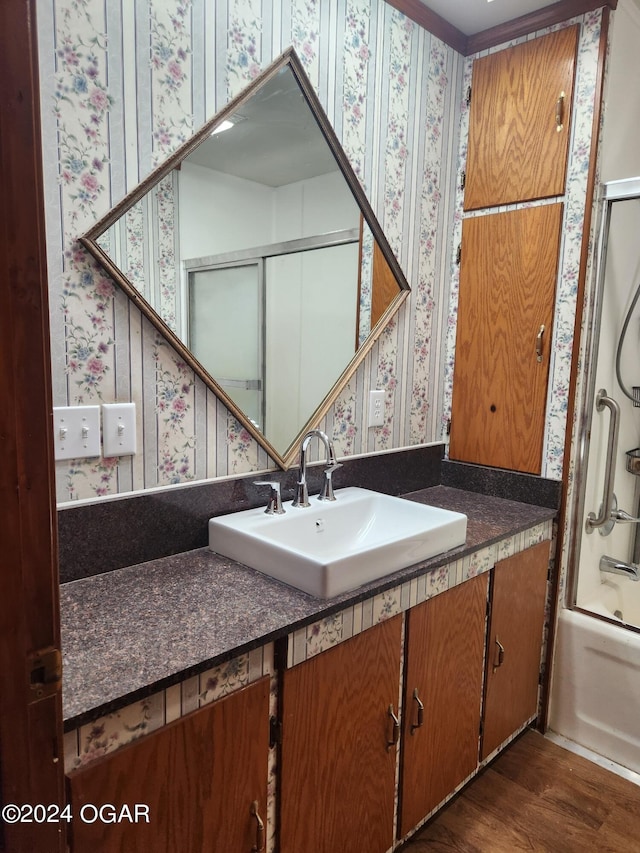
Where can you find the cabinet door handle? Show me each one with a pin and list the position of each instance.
(420, 717)
(500, 660)
(560, 112)
(539, 343)
(395, 732)
(259, 845)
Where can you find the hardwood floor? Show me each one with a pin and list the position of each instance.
(539, 797)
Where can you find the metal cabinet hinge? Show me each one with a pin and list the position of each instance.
(458, 254)
(45, 673)
(275, 731)
(468, 96)
(463, 179)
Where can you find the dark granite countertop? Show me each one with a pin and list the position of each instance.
(132, 631)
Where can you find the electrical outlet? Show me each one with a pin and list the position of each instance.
(76, 432)
(118, 429)
(376, 408)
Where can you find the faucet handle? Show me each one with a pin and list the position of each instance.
(274, 506)
(327, 487)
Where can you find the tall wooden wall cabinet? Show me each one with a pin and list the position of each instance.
(519, 126)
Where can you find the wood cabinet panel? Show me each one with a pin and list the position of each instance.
(518, 598)
(338, 776)
(508, 276)
(516, 151)
(384, 286)
(198, 776)
(444, 664)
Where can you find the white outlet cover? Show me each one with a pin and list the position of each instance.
(118, 429)
(376, 408)
(76, 432)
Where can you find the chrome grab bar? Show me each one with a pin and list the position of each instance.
(612, 445)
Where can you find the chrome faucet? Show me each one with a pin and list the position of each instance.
(619, 567)
(302, 494)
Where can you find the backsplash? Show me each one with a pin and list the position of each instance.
(122, 85)
(99, 536)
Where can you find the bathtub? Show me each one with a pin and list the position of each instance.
(595, 695)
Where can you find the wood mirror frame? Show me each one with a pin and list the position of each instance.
(388, 266)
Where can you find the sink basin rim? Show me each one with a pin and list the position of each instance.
(249, 537)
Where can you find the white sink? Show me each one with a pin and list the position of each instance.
(331, 547)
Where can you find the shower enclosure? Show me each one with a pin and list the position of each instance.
(596, 673)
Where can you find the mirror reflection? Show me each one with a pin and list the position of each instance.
(257, 249)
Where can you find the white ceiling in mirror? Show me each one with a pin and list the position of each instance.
(474, 16)
(273, 139)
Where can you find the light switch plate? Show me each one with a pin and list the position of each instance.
(376, 408)
(118, 429)
(76, 432)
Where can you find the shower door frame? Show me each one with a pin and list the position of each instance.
(626, 189)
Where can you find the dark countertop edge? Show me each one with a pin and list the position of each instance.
(358, 595)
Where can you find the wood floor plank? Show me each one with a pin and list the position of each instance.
(471, 829)
(541, 798)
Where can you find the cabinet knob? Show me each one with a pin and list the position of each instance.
(420, 714)
(395, 732)
(500, 660)
(259, 845)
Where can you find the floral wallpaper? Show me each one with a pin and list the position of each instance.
(121, 89)
(123, 85)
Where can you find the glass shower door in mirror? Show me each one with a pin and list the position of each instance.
(307, 340)
(225, 331)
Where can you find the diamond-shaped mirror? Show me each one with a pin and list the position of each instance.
(255, 252)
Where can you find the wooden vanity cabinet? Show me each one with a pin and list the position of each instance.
(519, 121)
(443, 672)
(203, 777)
(199, 778)
(518, 597)
(338, 758)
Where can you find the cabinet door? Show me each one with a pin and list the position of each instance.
(518, 598)
(338, 773)
(198, 777)
(519, 121)
(443, 671)
(505, 313)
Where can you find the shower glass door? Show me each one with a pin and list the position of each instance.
(225, 331)
(613, 364)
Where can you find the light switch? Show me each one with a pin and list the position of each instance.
(376, 408)
(76, 432)
(118, 429)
